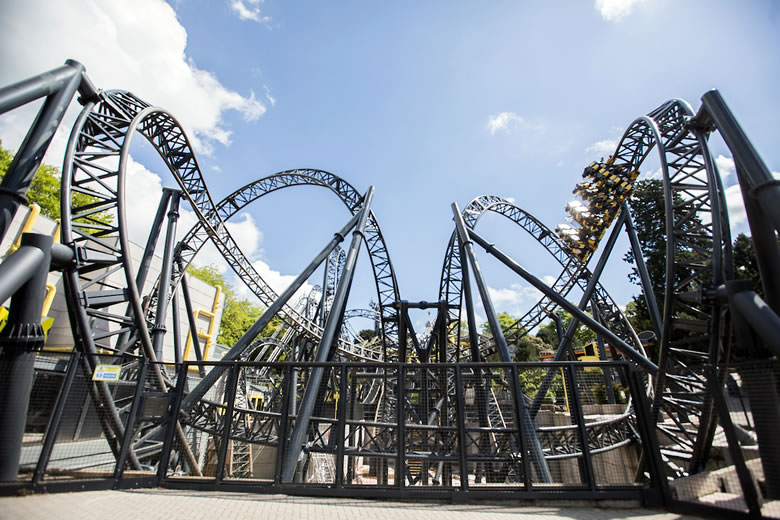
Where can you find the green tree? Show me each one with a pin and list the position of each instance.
(549, 335)
(745, 264)
(647, 209)
(528, 348)
(45, 190)
(647, 212)
(238, 314)
(367, 334)
(504, 320)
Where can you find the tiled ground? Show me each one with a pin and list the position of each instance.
(165, 504)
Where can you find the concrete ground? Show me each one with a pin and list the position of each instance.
(166, 504)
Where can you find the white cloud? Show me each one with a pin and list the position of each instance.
(121, 48)
(504, 121)
(515, 299)
(249, 10)
(615, 10)
(726, 168)
(603, 148)
(269, 97)
(549, 279)
(736, 206)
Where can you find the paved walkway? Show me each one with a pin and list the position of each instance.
(166, 504)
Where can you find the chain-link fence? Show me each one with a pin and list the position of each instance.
(742, 474)
(430, 429)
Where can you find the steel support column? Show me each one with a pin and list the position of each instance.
(524, 419)
(244, 341)
(327, 342)
(164, 288)
(19, 341)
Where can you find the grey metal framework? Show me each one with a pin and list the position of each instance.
(325, 411)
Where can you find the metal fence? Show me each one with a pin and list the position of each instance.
(451, 431)
(741, 477)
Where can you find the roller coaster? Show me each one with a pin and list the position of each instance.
(444, 409)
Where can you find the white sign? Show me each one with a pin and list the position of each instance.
(107, 373)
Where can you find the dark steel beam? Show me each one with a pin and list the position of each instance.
(575, 311)
(327, 342)
(164, 287)
(244, 341)
(21, 337)
(644, 276)
(524, 419)
(59, 86)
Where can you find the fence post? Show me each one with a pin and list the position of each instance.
(232, 383)
(341, 416)
(56, 417)
(461, 425)
(173, 418)
(576, 409)
(129, 426)
(288, 390)
(646, 427)
(400, 470)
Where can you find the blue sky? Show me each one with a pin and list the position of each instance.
(430, 102)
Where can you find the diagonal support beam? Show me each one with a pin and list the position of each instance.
(572, 309)
(244, 341)
(524, 419)
(327, 342)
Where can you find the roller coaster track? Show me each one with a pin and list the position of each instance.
(95, 166)
(108, 314)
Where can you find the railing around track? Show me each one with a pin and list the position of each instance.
(430, 430)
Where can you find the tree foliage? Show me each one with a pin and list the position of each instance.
(745, 263)
(647, 209)
(549, 335)
(45, 190)
(504, 321)
(238, 314)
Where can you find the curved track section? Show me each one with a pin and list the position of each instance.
(95, 166)
(572, 273)
(698, 257)
(387, 286)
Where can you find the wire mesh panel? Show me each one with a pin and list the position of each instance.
(255, 431)
(492, 442)
(48, 378)
(370, 424)
(85, 442)
(743, 470)
(610, 424)
(429, 448)
(202, 415)
(145, 416)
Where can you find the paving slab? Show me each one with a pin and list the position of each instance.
(167, 504)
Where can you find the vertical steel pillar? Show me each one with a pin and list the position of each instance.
(158, 331)
(482, 386)
(59, 85)
(523, 418)
(19, 341)
(327, 342)
(143, 267)
(594, 310)
(244, 341)
(177, 353)
(644, 276)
